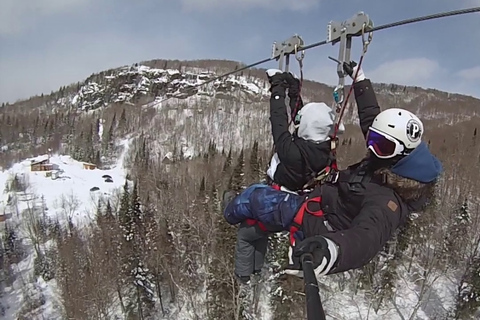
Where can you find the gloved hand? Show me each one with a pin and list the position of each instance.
(286, 79)
(276, 77)
(323, 250)
(292, 80)
(351, 69)
(293, 84)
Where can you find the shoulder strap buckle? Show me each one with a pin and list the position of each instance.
(332, 177)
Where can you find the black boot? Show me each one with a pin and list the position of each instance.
(228, 195)
(242, 279)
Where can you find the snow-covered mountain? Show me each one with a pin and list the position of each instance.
(151, 114)
(140, 83)
(232, 108)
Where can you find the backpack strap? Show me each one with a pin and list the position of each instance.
(311, 206)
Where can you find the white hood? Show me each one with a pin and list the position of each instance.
(317, 122)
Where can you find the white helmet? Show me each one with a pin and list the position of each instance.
(394, 132)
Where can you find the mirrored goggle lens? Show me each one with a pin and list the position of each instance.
(297, 119)
(382, 146)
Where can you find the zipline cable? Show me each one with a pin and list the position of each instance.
(321, 43)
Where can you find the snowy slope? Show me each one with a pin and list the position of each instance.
(130, 84)
(65, 196)
(340, 301)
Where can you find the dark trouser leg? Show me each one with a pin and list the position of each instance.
(251, 246)
(260, 252)
(244, 252)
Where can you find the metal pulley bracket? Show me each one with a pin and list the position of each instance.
(343, 32)
(351, 27)
(281, 50)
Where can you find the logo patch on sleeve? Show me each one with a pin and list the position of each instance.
(392, 205)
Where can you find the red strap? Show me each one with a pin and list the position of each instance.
(334, 166)
(252, 222)
(276, 186)
(298, 220)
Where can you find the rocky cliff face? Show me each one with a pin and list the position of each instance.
(149, 86)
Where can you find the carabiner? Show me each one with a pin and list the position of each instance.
(302, 54)
(366, 42)
(338, 96)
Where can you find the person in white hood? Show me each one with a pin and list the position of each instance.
(300, 155)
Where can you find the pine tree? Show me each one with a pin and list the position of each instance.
(98, 159)
(454, 240)
(254, 164)
(283, 302)
(109, 135)
(134, 233)
(222, 291)
(9, 243)
(228, 161)
(238, 176)
(124, 204)
(212, 149)
(152, 249)
(202, 186)
(108, 210)
(468, 299)
(122, 122)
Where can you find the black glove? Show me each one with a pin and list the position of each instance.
(350, 68)
(323, 250)
(276, 77)
(293, 84)
(285, 79)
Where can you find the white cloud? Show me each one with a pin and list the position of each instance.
(73, 59)
(472, 3)
(207, 5)
(18, 15)
(413, 71)
(469, 74)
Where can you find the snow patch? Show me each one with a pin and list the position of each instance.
(65, 193)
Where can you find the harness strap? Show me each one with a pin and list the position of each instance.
(252, 222)
(298, 220)
(276, 186)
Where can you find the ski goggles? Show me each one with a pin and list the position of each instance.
(296, 121)
(383, 145)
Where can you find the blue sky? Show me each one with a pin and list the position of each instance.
(49, 43)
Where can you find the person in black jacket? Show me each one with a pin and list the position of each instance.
(362, 206)
(300, 155)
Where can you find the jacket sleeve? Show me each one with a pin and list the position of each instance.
(367, 104)
(282, 138)
(379, 217)
(294, 95)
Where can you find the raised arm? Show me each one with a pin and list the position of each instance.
(367, 104)
(296, 102)
(282, 138)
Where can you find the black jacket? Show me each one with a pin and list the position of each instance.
(364, 212)
(300, 159)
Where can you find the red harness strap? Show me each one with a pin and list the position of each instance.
(276, 186)
(252, 222)
(298, 220)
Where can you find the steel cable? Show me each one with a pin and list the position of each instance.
(321, 43)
